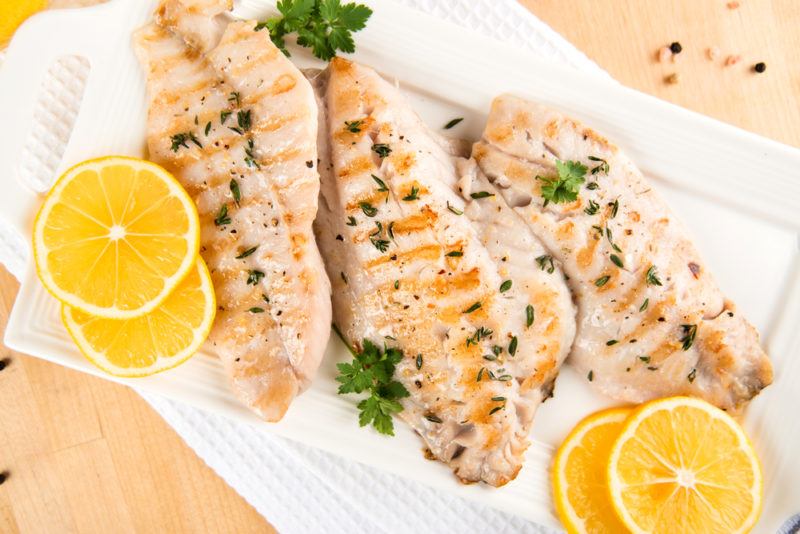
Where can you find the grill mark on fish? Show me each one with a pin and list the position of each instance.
(283, 84)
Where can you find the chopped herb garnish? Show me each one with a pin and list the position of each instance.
(244, 119)
(497, 350)
(390, 230)
(490, 357)
(223, 116)
(480, 374)
(419, 361)
(614, 208)
(264, 297)
(237, 194)
(455, 254)
(374, 237)
(645, 304)
(591, 186)
(368, 209)
(546, 261)
(504, 378)
(645, 358)
(353, 126)
(473, 308)
(512, 347)
(325, 26)
(246, 253)
(480, 194)
(616, 260)
(496, 409)
(454, 210)
(254, 277)
(529, 315)
(351, 221)
(222, 216)
(652, 276)
(499, 399)
(453, 123)
(433, 418)
(372, 371)
(397, 284)
(652, 368)
(380, 244)
(689, 333)
(590, 376)
(181, 140)
(505, 286)
(565, 186)
(381, 149)
(413, 195)
(602, 167)
(256, 309)
(381, 184)
(250, 158)
(235, 98)
(611, 342)
(208, 128)
(692, 375)
(600, 282)
(479, 334)
(592, 208)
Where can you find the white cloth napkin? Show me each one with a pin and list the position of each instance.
(298, 488)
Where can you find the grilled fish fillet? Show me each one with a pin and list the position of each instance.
(450, 290)
(236, 123)
(651, 320)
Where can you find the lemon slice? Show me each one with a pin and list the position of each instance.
(153, 342)
(13, 13)
(681, 465)
(580, 485)
(115, 236)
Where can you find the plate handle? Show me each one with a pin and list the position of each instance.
(36, 45)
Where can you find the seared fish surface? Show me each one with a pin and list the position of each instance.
(236, 123)
(651, 320)
(423, 255)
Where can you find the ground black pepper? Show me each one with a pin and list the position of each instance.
(676, 47)
(760, 67)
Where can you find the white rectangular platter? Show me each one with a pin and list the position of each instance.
(738, 193)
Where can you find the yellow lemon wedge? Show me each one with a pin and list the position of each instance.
(115, 236)
(153, 342)
(13, 13)
(681, 465)
(580, 485)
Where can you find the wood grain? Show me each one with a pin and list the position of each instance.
(622, 36)
(91, 456)
(87, 455)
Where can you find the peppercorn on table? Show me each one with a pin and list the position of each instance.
(79, 453)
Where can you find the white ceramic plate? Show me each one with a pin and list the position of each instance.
(738, 193)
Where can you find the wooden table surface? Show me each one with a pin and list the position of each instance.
(86, 455)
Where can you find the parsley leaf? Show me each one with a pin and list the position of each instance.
(372, 371)
(564, 187)
(325, 26)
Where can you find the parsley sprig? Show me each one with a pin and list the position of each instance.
(325, 26)
(564, 187)
(372, 371)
